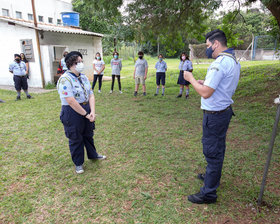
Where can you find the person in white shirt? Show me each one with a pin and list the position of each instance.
(98, 68)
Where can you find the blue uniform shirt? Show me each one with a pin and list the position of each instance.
(18, 69)
(63, 64)
(68, 85)
(185, 65)
(161, 66)
(222, 76)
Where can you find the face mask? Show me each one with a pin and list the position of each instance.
(98, 58)
(80, 67)
(183, 58)
(17, 60)
(160, 59)
(116, 56)
(140, 56)
(209, 52)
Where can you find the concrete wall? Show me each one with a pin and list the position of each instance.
(73, 42)
(10, 44)
(45, 8)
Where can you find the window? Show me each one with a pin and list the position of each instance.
(59, 22)
(41, 18)
(50, 20)
(18, 15)
(30, 16)
(5, 12)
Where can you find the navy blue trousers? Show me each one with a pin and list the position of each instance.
(79, 131)
(215, 128)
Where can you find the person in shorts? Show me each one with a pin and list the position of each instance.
(140, 73)
(18, 69)
(161, 68)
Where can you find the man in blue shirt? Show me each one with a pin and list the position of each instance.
(18, 68)
(216, 98)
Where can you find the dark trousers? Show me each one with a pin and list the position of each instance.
(215, 127)
(160, 76)
(79, 131)
(95, 77)
(113, 82)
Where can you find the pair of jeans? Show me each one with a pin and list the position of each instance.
(113, 82)
(95, 77)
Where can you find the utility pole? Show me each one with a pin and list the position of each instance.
(158, 45)
(38, 42)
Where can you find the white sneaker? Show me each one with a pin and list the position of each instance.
(79, 169)
(111, 91)
(99, 91)
(120, 92)
(100, 157)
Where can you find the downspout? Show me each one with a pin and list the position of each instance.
(38, 43)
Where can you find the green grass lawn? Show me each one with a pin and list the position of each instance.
(153, 151)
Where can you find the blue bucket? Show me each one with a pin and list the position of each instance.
(70, 18)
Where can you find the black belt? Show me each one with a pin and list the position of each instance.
(84, 103)
(216, 112)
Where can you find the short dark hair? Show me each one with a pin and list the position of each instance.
(160, 55)
(115, 53)
(99, 54)
(218, 35)
(187, 57)
(16, 55)
(71, 58)
(140, 53)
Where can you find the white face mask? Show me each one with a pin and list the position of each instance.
(80, 67)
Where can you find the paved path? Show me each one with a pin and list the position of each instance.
(30, 89)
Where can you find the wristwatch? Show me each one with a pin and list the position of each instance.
(86, 114)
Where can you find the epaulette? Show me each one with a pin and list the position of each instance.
(66, 77)
(228, 55)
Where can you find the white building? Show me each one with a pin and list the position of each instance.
(18, 34)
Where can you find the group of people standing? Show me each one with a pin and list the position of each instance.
(216, 91)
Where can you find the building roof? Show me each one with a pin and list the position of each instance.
(50, 27)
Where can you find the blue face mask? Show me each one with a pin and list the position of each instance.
(160, 59)
(209, 52)
(98, 58)
(115, 56)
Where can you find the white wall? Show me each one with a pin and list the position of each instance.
(10, 44)
(73, 42)
(45, 8)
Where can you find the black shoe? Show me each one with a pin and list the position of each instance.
(187, 96)
(18, 98)
(29, 97)
(200, 199)
(201, 176)
(135, 93)
(144, 94)
(155, 94)
(180, 95)
(162, 94)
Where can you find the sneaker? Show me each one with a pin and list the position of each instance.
(187, 96)
(135, 93)
(111, 91)
(162, 94)
(180, 95)
(155, 94)
(79, 169)
(99, 91)
(18, 98)
(144, 94)
(29, 97)
(2, 101)
(120, 92)
(198, 198)
(100, 157)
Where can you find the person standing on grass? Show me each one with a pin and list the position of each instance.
(140, 73)
(116, 65)
(78, 110)
(18, 69)
(161, 68)
(98, 71)
(185, 65)
(23, 58)
(216, 98)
